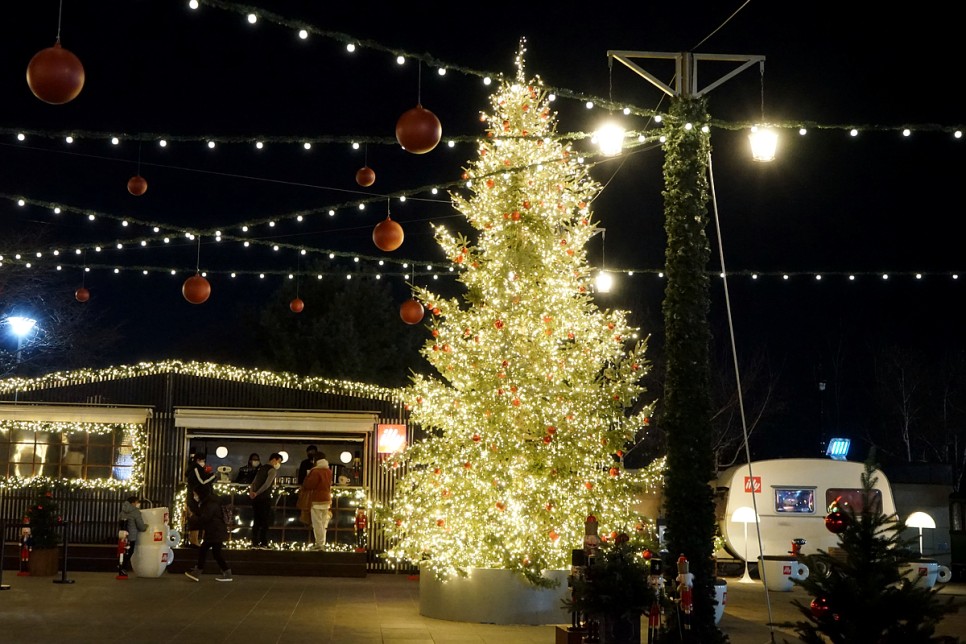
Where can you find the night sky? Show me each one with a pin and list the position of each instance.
(831, 204)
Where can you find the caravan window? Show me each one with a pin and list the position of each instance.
(851, 498)
(797, 500)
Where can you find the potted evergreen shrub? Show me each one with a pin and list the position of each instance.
(44, 536)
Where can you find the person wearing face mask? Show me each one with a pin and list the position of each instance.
(247, 472)
(200, 478)
(260, 492)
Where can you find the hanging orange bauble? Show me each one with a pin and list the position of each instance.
(418, 130)
(365, 176)
(137, 185)
(196, 289)
(296, 305)
(411, 311)
(55, 75)
(82, 294)
(387, 235)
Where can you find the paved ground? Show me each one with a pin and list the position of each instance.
(379, 609)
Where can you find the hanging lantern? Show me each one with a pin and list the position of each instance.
(82, 294)
(296, 305)
(387, 235)
(764, 142)
(137, 185)
(418, 130)
(836, 522)
(55, 75)
(365, 176)
(411, 311)
(196, 289)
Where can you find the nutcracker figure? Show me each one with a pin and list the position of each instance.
(361, 522)
(122, 545)
(685, 581)
(26, 545)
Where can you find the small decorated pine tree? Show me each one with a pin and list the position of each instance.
(44, 518)
(865, 597)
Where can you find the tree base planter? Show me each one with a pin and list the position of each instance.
(493, 596)
(43, 562)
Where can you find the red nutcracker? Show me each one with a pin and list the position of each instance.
(685, 581)
(26, 545)
(122, 545)
(361, 522)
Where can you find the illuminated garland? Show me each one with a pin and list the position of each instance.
(138, 455)
(202, 370)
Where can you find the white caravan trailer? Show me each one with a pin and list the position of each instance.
(792, 496)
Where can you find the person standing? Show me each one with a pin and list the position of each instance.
(318, 486)
(311, 455)
(212, 521)
(199, 476)
(247, 472)
(132, 522)
(260, 492)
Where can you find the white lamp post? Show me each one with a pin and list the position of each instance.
(920, 520)
(745, 515)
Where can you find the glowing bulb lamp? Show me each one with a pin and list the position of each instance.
(920, 520)
(604, 282)
(745, 515)
(346, 457)
(610, 139)
(764, 142)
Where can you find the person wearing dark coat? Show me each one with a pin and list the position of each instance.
(211, 521)
(246, 474)
(199, 476)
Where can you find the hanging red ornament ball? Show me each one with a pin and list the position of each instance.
(411, 312)
(836, 522)
(387, 235)
(418, 130)
(365, 176)
(196, 289)
(137, 185)
(819, 607)
(296, 305)
(82, 294)
(55, 75)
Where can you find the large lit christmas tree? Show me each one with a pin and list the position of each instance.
(528, 419)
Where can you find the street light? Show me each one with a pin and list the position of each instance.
(746, 515)
(20, 326)
(920, 520)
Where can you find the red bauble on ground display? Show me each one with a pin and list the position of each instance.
(82, 294)
(418, 130)
(819, 607)
(296, 305)
(55, 75)
(836, 522)
(365, 176)
(411, 311)
(137, 185)
(387, 235)
(196, 289)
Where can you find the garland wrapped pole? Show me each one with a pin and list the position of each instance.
(689, 504)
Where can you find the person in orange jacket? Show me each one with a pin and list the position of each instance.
(318, 487)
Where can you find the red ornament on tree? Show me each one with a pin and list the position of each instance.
(418, 130)
(82, 294)
(55, 75)
(387, 235)
(411, 311)
(296, 305)
(137, 185)
(365, 176)
(819, 607)
(836, 522)
(196, 289)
